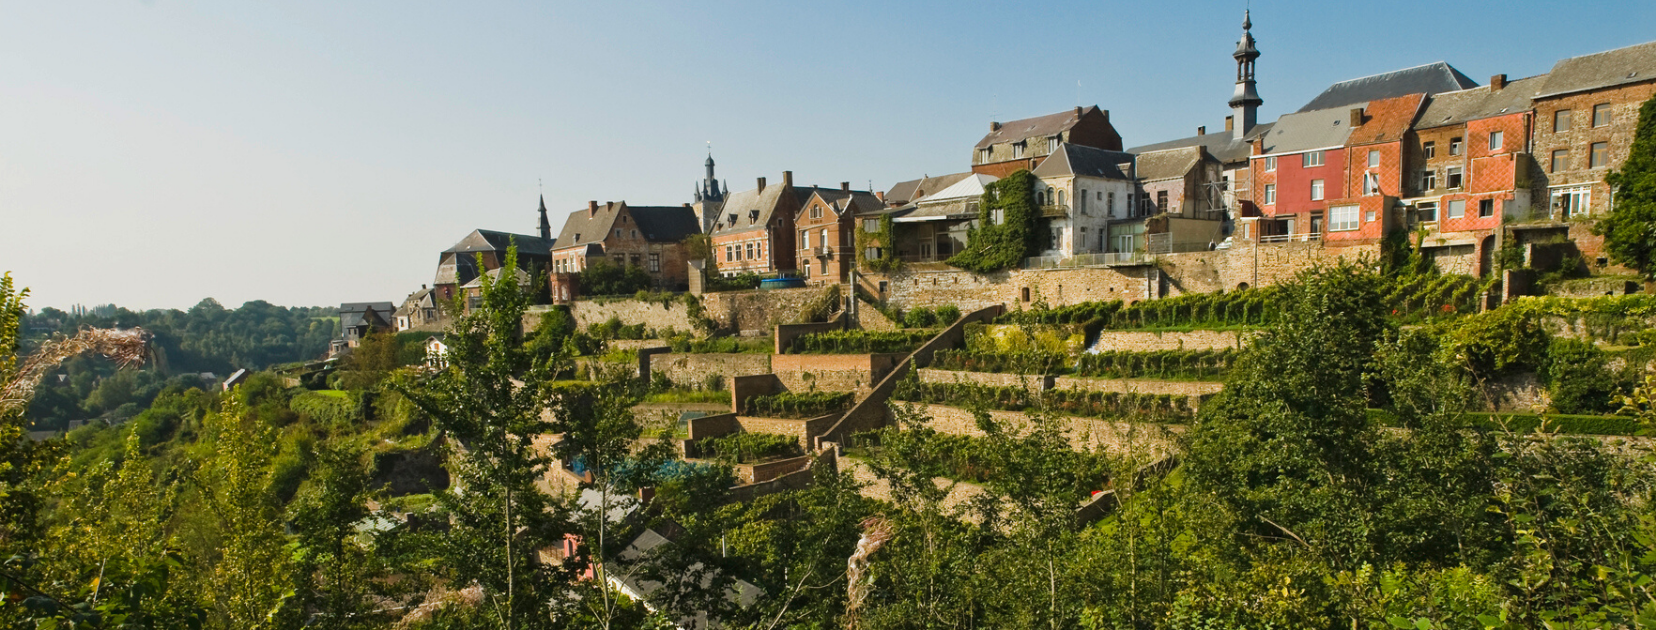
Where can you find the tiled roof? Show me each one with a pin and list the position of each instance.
(1037, 127)
(1071, 159)
(1431, 78)
(1386, 120)
(1220, 145)
(584, 226)
(1453, 108)
(1621, 66)
(1303, 131)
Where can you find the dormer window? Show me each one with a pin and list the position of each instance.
(753, 216)
(1018, 149)
(1052, 144)
(732, 220)
(983, 155)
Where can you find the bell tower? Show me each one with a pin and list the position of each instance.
(1245, 102)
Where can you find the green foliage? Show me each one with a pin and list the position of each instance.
(797, 405)
(1164, 364)
(1629, 229)
(1245, 307)
(859, 341)
(883, 239)
(1069, 402)
(1577, 378)
(613, 328)
(746, 447)
(1035, 362)
(721, 345)
(822, 305)
(1491, 342)
(603, 277)
(739, 282)
(920, 317)
(328, 407)
(991, 246)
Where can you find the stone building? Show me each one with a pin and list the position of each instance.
(648, 237)
(420, 311)
(709, 197)
(1081, 188)
(1178, 203)
(1024, 144)
(827, 232)
(1586, 112)
(485, 250)
(754, 231)
(931, 228)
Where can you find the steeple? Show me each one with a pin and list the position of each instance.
(1245, 102)
(710, 186)
(545, 226)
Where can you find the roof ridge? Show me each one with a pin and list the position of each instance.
(1604, 52)
(1377, 74)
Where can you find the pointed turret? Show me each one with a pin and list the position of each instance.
(1245, 102)
(545, 225)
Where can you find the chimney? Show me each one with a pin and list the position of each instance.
(1106, 114)
(686, 205)
(1230, 124)
(422, 287)
(1356, 117)
(1201, 131)
(994, 126)
(1497, 82)
(880, 194)
(592, 208)
(787, 179)
(1077, 111)
(761, 184)
(845, 186)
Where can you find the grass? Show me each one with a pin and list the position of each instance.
(689, 396)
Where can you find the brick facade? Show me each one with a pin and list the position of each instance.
(1576, 141)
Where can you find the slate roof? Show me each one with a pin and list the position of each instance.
(858, 201)
(1219, 145)
(583, 226)
(1432, 78)
(353, 314)
(416, 300)
(665, 224)
(744, 204)
(1037, 127)
(1168, 163)
(494, 274)
(492, 241)
(1303, 131)
(1071, 159)
(1632, 64)
(1454, 108)
(1386, 120)
(917, 189)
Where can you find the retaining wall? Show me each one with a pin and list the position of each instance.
(833, 372)
(1085, 434)
(1145, 341)
(692, 369)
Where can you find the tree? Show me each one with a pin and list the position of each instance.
(602, 277)
(1006, 227)
(1629, 229)
(254, 580)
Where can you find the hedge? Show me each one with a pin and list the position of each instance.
(860, 341)
(721, 345)
(1073, 402)
(327, 407)
(1001, 362)
(1176, 364)
(801, 405)
(1529, 422)
(1245, 307)
(750, 447)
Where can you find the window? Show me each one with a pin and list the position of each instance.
(816, 211)
(871, 225)
(1457, 208)
(732, 220)
(1270, 194)
(617, 232)
(804, 239)
(655, 263)
(1052, 144)
(1342, 218)
(822, 239)
(1427, 211)
(1601, 114)
(1109, 206)
(872, 253)
(577, 237)
(1428, 179)
(1598, 155)
(1453, 177)
(1374, 158)
(1568, 202)
(635, 233)
(824, 267)
(1368, 216)
(1314, 158)
(1082, 199)
(1270, 164)
(1454, 146)
(983, 155)
(1429, 150)
(1161, 201)
(1371, 183)
(1316, 190)
(1486, 207)
(1060, 197)
(997, 216)
(1496, 139)
(1561, 121)
(750, 251)
(1040, 197)
(730, 253)
(1018, 149)
(1560, 160)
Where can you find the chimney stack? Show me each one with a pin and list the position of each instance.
(880, 194)
(994, 126)
(1497, 82)
(1201, 131)
(845, 186)
(787, 178)
(1106, 114)
(1230, 124)
(1356, 117)
(592, 208)
(1077, 111)
(761, 184)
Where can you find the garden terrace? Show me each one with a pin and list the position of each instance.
(1530, 423)
(1246, 307)
(720, 345)
(1073, 402)
(860, 342)
(1189, 365)
(797, 406)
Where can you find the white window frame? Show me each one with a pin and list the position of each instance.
(1497, 140)
(1342, 218)
(1580, 200)
(1374, 158)
(1371, 184)
(1312, 158)
(1318, 189)
(1270, 164)
(1449, 176)
(1270, 194)
(1454, 209)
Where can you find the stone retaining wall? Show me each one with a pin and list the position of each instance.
(1145, 341)
(757, 312)
(691, 370)
(1031, 382)
(833, 372)
(1152, 441)
(1193, 389)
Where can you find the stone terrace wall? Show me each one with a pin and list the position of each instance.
(692, 369)
(1193, 389)
(1085, 434)
(652, 315)
(1031, 382)
(757, 312)
(833, 372)
(1143, 341)
(802, 429)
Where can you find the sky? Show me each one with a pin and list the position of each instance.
(155, 153)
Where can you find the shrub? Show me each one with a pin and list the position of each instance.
(1074, 402)
(1174, 364)
(797, 405)
(1000, 362)
(326, 407)
(613, 328)
(602, 277)
(860, 341)
(1577, 378)
(739, 282)
(721, 345)
(750, 447)
(920, 317)
(947, 314)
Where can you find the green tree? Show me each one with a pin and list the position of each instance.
(1006, 229)
(602, 277)
(254, 580)
(1629, 229)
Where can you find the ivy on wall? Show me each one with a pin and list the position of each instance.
(999, 245)
(887, 261)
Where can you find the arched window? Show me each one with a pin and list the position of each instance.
(1060, 196)
(1040, 197)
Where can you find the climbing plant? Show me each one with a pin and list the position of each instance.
(996, 245)
(882, 240)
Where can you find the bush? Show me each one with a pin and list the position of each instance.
(919, 317)
(747, 447)
(1073, 402)
(1577, 378)
(860, 342)
(326, 407)
(800, 405)
(613, 328)
(947, 314)
(721, 345)
(1001, 362)
(739, 282)
(1166, 364)
(602, 277)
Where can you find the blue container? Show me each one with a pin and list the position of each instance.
(781, 283)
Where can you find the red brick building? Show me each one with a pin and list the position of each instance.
(1296, 168)
(754, 232)
(1364, 207)
(1024, 144)
(826, 232)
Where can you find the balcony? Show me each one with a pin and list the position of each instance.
(1310, 237)
(1055, 211)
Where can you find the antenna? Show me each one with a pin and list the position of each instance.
(1077, 92)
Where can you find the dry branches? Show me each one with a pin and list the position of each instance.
(125, 347)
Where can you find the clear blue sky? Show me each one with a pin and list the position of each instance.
(307, 152)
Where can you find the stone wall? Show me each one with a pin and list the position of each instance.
(1142, 341)
(757, 312)
(1193, 389)
(1522, 393)
(745, 387)
(833, 372)
(653, 315)
(1031, 382)
(870, 318)
(692, 370)
(1150, 441)
(805, 430)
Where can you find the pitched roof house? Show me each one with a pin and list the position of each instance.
(1023, 144)
(459, 264)
(649, 237)
(754, 232)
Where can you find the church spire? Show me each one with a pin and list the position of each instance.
(709, 186)
(545, 225)
(1245, 101)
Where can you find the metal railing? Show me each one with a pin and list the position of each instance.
(1290, 238)
(1113, 259)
